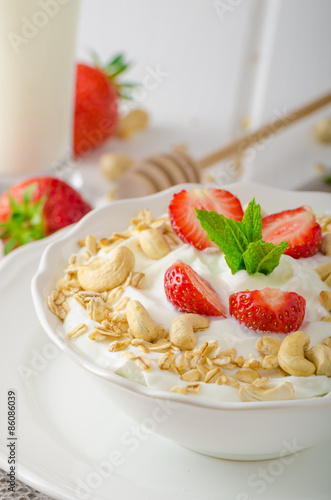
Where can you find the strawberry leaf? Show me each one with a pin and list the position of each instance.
(25, 223)
(15, 207)
(95, 58)
(129, 85)
(263, 257)
(116, 66)
(112, 69)
(28, 194)
(9, 246)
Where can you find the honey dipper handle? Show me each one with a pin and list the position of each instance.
(239, 145)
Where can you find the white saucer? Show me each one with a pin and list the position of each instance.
(67, 426)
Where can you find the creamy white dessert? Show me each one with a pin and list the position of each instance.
(231, 358)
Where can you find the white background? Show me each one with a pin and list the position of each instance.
(224, 61)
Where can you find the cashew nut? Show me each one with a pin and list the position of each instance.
(132, 122)
(281, 392)
(268, 345)
(326, 244)
(183, 327)
(110, 274)
(327, 341)
(325, 299)
(324, 271)
(153, 243)
(322, 130)
(320, 355)
(95, 263)
(113, 165)
(291, 355)
(141, 325)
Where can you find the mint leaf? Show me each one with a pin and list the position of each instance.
(226, 234)
(241, 242)
(251, 224)
(263, 257)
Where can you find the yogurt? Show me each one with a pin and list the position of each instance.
(290, 275)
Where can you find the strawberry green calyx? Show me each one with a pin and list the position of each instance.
(112, 70)
(25, 221)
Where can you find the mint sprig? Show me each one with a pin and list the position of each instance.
(241, 242)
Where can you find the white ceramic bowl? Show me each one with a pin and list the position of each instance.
(234, 430)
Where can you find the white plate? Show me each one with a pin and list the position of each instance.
(66, 427)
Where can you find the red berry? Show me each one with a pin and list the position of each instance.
(183, 217)
(298, 227)
(268, 310)
(96, 112)
(37, 207)
(190, 293)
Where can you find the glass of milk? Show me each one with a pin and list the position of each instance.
(37, 74)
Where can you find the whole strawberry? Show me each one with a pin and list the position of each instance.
(190, 293)
(37, 207)
(268, 310)
(96, 104)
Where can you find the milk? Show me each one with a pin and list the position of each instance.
(37, 46)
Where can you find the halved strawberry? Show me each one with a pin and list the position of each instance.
(183, 217)
(298, 227)
(190, 293)
(268, 310)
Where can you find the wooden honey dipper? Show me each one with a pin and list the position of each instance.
(162, 171)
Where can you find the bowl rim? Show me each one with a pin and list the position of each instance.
(92, 367)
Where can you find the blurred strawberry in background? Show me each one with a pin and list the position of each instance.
(37, 207)
(96, 103)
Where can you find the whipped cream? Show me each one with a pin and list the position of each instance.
(290, 275)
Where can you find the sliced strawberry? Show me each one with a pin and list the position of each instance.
(183, 217)
(190, 293)
(268, 310)
(298, 227)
